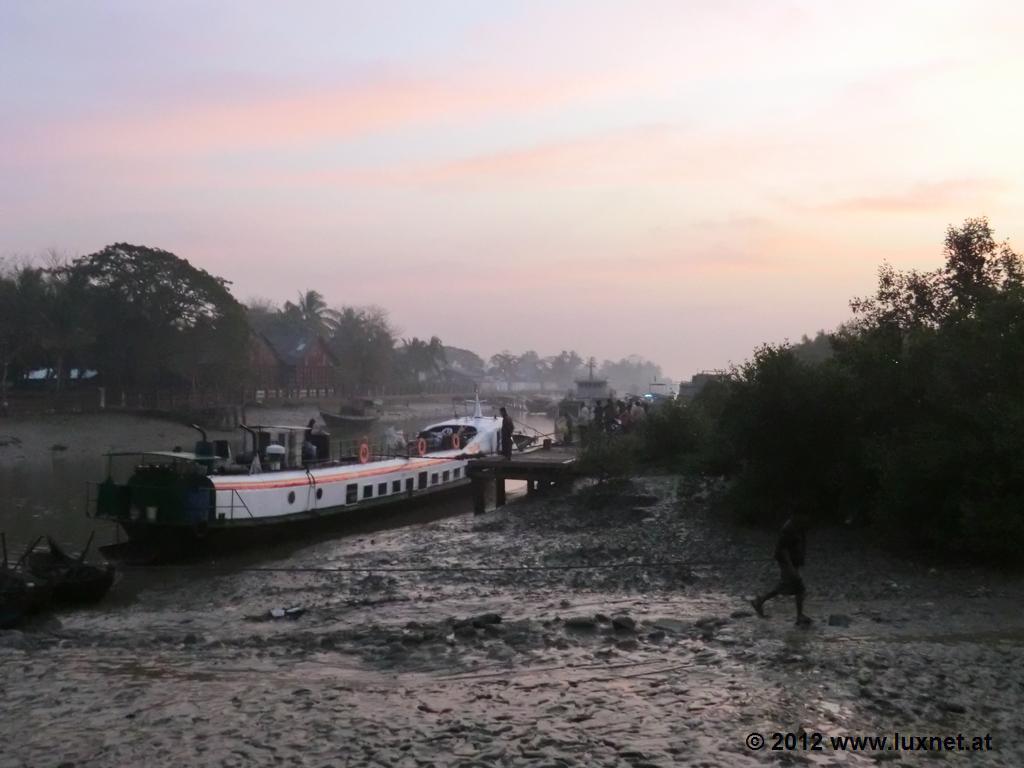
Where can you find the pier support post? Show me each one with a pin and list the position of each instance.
(499, 491)
(479, 497)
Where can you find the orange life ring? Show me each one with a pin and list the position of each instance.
(421, 447)
(456, 443)
(364, 452)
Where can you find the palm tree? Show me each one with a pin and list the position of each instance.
(312, 312)
(424, 357)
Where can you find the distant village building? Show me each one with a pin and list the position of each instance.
(690, 389)
(592, 389)
(290, 359)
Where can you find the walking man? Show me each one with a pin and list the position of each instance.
(790, 551)
(507, 428)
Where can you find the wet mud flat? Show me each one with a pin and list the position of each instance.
(476, 660)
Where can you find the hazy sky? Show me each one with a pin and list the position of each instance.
(683, 180)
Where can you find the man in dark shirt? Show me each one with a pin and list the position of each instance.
(507, 428)
(790, 553)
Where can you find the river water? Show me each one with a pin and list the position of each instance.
(521, 637)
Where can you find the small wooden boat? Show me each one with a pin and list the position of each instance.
(339, 420)
(522, 442)
(21, 594)
(72, 579)
(356, 413)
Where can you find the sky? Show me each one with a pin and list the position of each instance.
(680, 180)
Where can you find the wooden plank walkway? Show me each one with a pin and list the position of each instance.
(540, 467)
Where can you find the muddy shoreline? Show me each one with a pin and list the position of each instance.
(477, 660)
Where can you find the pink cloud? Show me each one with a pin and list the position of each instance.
(280, 119)
(925, 196)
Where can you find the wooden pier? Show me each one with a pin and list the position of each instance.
(541, 467)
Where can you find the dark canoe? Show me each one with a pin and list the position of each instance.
(348, 420)
(72, 581)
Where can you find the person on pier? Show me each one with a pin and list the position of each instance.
(507, 428)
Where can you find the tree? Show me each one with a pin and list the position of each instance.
(563, 367)
(815, 350)
(159, 320)
(66, 328)
(423, 358)
(527, 366)
(977, 268)
(630, 374)
(22, 297)
(465, 361)
(364, 342)
(311, 312)
(506, 365)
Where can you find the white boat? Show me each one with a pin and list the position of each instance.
(175, 504)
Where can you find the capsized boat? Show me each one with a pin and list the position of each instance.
(175, 504)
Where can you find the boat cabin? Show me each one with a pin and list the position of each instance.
(439, 437)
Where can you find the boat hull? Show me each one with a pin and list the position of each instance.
(156, 543)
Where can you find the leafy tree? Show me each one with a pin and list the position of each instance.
(159, 320)
(364, 342)
(22, 301)
(506, 365)
(816, 350)
(465, 361)
(564, 366)
(423, 359)
(630, 374)
(527, 366)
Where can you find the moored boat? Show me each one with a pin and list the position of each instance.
(21, 594)
(175, 504)
(340, 420)
(360, 413)
(71, 579)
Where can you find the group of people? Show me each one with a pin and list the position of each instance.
(608, 416)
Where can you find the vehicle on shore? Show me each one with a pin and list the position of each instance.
(177, 504)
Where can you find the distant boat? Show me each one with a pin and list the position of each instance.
(348, 419)
(360, 413)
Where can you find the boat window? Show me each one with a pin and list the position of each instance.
(422, 480)
(396, 486)
(382, 489)
(446, 476)
(351, 493)
(409, 484)
(367, 491)
(458, 473)
(433, 478)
